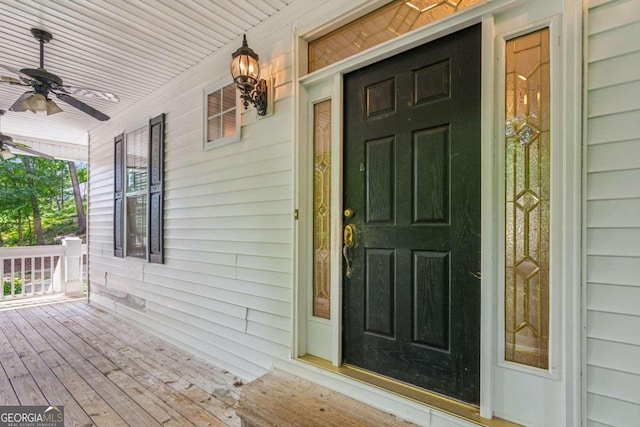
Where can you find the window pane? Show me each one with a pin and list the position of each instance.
(213, 100)
(229, 122)
(229, 97)
(137, 148)
(527, 189)
(136, 159)
(137, 226)
(392, 20)
(221, 114)
(322, 209)
(214, 128)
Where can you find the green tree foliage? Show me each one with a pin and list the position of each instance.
(47, 182)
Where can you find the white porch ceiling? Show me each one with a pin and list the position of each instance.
(128, 47)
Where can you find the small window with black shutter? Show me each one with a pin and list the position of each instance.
(138, 192)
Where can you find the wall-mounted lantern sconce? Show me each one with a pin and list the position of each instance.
(246, 73)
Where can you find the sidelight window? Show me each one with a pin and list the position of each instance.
(322, 209)
(527, 199)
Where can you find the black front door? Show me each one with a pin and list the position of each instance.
(412, 178)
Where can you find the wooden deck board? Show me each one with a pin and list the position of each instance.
(7, 394)
(208, 377)
(107, 373)
(22, 382)
(118, 397)
(49, 383)
(279, 399)
(105, 405)
(144, 375)
(185, 412)
(98, 409)
(169, 372)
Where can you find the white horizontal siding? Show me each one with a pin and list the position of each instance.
(616, 156)
(612, 412)
(613, 71)
(614, 355)
(614, 241)
(224, 291)
(624, 328)
(616, 41)
(616, 384)
(614, 99)
(613, 213)
(614, 127)
(595, 424)
(614, 184)
(613, 299)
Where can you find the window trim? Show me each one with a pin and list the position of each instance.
(155, 187)
(226, 140)
(118, 196)
(557, 211)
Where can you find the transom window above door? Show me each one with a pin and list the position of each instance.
(390, 21)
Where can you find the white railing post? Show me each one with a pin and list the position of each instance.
(57, 273)
(72, 265)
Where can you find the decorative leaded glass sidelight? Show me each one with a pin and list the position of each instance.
(527, 188)
(322, 209)
(386, 23)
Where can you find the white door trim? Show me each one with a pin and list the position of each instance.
(493, 390)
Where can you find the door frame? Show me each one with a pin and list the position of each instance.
(493, 393)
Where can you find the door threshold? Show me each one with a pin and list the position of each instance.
(433, 400)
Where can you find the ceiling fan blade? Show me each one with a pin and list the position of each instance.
(5, 153)
(12, 80)
(82, 106)
(17, 106)
(27, 149)
(25, 78)
(90, 93)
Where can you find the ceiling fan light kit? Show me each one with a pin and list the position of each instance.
(52, 108)
(35, 102)
(45, 83)
(39, 102)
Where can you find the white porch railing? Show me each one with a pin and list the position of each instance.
(40, 270)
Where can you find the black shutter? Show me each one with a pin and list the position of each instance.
(118, 196)
(156, 185)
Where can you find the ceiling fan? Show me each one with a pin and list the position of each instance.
(7, 144)
(44, 83)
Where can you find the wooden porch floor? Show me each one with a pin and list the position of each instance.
(107, 373)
